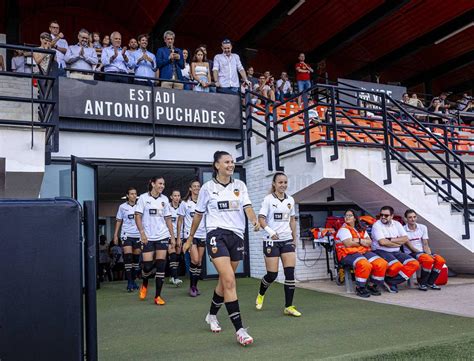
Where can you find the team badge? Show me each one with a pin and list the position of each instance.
(269, 250)
(236, 192)
(214, 249)
(163, 204)
(289, 205)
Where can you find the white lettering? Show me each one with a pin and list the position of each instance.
(159, 111)
(213, 117)
(166, 97)
(205, 116)
(88, 109)
(132, 94)
(169, 114)
(179, 114)
(145, 112)
(197, 116)
(188, 115)
(118, 110)
(128, 111)
(157, 97)
(221, 118)
(99, 108)
(108, 105)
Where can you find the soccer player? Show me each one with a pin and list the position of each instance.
(175, 251)
(419, 248)
(277, 218)
(226, 202)
(153, 218)
(353, 248)
(186, 212)
(130, 238)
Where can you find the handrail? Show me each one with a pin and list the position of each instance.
(396, 125)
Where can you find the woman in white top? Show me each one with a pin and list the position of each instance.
(153, 218)
(129, 235)
(186, 214)
(226, 203)
(174, 252)
(277, 218)
(200, 71)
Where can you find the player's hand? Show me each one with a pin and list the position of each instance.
(256, 227)
(179, 243)
(115, 240)
(144, 239)
(173, 242)
(275, 237)
(187, 245)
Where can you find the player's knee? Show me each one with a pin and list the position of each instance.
(271, 276)
(289, 273)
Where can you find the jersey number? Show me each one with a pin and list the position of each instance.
(212, 242)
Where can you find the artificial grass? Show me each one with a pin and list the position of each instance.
(332, 326)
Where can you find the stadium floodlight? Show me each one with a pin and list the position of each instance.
(294, 8)
(454, 33)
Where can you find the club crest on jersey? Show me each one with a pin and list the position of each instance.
(289, 205)
(163, 204)
(236, 192)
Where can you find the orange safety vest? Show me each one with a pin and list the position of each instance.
(343, 251)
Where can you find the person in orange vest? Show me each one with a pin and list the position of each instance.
(388, 236)
(353, 249)
(418, 247)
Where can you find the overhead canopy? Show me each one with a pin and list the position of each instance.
(396, 40)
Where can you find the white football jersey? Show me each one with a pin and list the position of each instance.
(187, 210)
(416, 237)
(126, 214)
(224, 205)
(277, 214)
(154, 211)
(174, 218)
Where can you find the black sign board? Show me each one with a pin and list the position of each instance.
(98, 100)
(360, 97)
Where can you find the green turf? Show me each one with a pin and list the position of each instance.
(332, 326)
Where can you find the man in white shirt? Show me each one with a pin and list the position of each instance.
(283, 87)
(226, 70)
(81, 57)
(388, 236)
(418, 247)
(60, 45)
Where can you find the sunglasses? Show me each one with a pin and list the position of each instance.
(384, 215)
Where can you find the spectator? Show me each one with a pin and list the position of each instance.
(418, 248)
(96, 40)
(81, 57)
(170, 62)
(435, 107)
(19, 63)
(443, 101)
(405, 98)
(104, 259)
(145, 61)
(186, 72)
(2, 63)
(117, 263)
(283, 88)
(250, 76)
(226, 68)
(59, 44)
(414, 101)
(263, 88)
(43, 60)
(212, 88)
(303, 74)
(465, 103)
(106, 41)
(200, 71)
(132, 45)
(388, 236)
(115, 60)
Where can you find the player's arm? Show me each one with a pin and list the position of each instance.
(118, 224)
(426, 246)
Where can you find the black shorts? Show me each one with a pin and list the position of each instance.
(118, 267)
(131, 242)
(200, 242)
(277, 248)
(224, 243)
(160, 245)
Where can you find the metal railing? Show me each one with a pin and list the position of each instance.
(431, 152)
(46, 102)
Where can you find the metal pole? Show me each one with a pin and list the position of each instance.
(386, 141)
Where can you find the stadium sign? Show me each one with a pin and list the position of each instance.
(361, 98)
(100, 100)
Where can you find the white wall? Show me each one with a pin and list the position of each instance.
(136, 147)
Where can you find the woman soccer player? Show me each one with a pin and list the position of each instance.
(277, 218)
(226, 203)
(153, 218)
(174, 252)
(130, 237)
(186, 213)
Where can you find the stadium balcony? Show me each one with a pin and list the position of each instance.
(365, 147)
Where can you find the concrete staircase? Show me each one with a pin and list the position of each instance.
(358, 175)
(17, 87)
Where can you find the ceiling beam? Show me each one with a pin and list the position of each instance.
(414, 46)
(166, 21)
(355, 29)
(441, 69)
(266, 24)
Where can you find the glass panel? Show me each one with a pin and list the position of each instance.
(211, 270)
(85, 183)
(56, 181)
